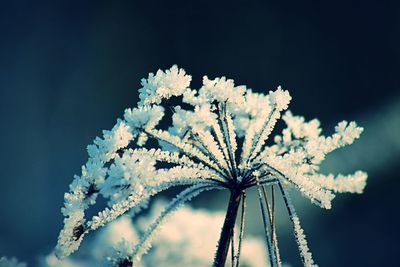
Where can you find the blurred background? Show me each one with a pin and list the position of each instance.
(68, 69)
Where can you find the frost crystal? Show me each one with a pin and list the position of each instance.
(163, 85)
(216, 140)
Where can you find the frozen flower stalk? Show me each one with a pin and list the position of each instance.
(215, 139)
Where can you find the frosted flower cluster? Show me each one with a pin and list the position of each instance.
(209, 138)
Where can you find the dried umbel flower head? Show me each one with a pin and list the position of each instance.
(216, 140)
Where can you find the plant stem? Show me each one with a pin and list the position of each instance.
(227, 229)
(241, 231)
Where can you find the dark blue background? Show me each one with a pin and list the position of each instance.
(68, 69)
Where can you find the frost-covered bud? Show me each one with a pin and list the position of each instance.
(348, 131)
(104, 148)
(163, 85)
(72, 235)
(143, 119)
(280, 98)
(222, 90)
(301, 129)
(353, 183)
(127, 174)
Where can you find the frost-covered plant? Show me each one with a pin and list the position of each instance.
(206, 139)
(178, 243)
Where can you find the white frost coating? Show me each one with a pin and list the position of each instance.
(187, 148)
(283, 168)
(353, 183)
(300, 129)
(302, 245)
(197, 143)
(128, 173)
(348, 131)
(260, 129)
(222, 90)
(136, 198)
(280, 98)
(163, 85)
(207, 142)
(232, 134)
(68, 241)
(104, 148)
(83, 188)
(143, 119)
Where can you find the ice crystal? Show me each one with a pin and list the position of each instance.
(216, 140)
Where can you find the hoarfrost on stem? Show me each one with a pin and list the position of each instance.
(216, 140)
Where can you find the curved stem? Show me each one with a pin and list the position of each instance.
(227, 229)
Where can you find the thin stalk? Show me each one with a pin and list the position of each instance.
(271, 254)
(302, 246)
(273, 222)
(227, 229)
(271, 215)
(233, 247)
(225, 128)
(242, 219)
